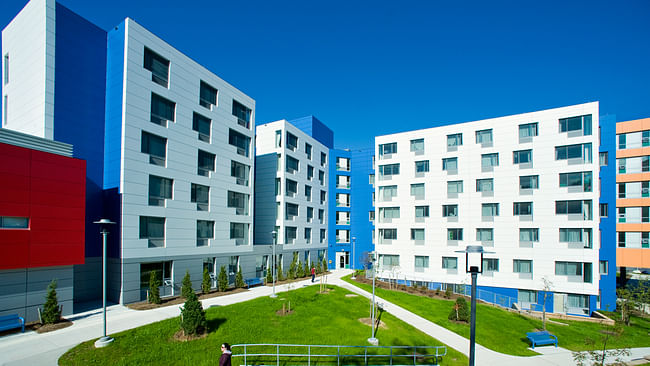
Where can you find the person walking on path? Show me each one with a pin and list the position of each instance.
(226, 353)
(313, 274)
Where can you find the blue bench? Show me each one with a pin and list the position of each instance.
(254, 282)
(12, 321)
(541, 338)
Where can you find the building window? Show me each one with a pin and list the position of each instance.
(421, 262)
(204, 232)
(371, 179)
(491, 264)
(240, 172)
(158, 65)
(582, 207)
(529, 182)
(387, 149)
(292, 164)
(389, 260)
(604, 210)
(201, 125)
(307, 235)
(240, 141)
(574, 269)
(292, 141)
(417, 191)
(421, 211)
(455, 186)
(205, 163)
(207, 95)
(11, 222)
(321, 177)
(485, 185)
(343, 164)
(308, 192)
(449, 210)
(239, 231)
(290, 234)
(576, 235)
(323, 235)
(308, 150)
(527, 296)
(455, 234)
(522, 156)
(238, 201)
(323, 159)
(603, 158)
(6, 73)
(577, 151)
(155, 147)
(489, 209)
(388, 170)
(522, 266)
(323, 197)
(385, 235)
(278, 138)
(417, 145)
(388, 213)
(450, 164)
(386, 193)
(422, 166)
(371, 215)
(159, 189)
(5, 115)
(449, 263)
(528, 130)
(310, 172)
(522, 208)
(603, 267)
(310, 214)
(577, 179)
(291, 188)
(153, 229)
(484, 136)
(242, 113)
(162, 110)
(578, 303)
(529, 235)
(201, 196)
(417, 234)
(321, 216)
(489, 160)
(484, 234)
(576, 124)
(455, 139)
(290, 211)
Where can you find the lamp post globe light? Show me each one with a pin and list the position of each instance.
(372, 340)
(475, 250)
(274, 235)
(104, 224)
(354, 242)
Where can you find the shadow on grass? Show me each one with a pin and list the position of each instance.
(214, 324)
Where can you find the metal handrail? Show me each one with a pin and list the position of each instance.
(439, 352)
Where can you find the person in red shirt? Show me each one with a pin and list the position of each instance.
(313, 274)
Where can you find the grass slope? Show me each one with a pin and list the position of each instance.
(505, 332)
(319, 319)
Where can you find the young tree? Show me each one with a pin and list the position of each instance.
(239, 279)
(192, 316)
(51, 312)
(206, 282)
(222, 280)
(319, 269)
(306, 270)
(597, 357)
(548, 286)
(280, 274)
(460, 311)
(154, 288)
(299, 271)
(291, 273)
(448, 292)
(325, 265)
(269, 275)
(186, 287)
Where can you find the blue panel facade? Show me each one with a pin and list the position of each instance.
(316, 129)
(334, 245)
(607, 282)
(113, 113)
(80, 80)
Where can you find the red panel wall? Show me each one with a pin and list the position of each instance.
(50, 190)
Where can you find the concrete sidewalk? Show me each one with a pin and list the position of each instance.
(31, 348)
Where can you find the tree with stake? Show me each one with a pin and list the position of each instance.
(154, 288)
(239, 279)
(597, 357)
(222, 280)
(186, 287)
(51, 312)
(205, 284)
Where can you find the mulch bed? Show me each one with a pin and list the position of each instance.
(436, 294)
(44, 328)
(177, 300)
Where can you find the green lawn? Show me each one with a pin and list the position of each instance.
(505, 332)
(330, 318)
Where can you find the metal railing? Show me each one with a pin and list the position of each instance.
(342, 352)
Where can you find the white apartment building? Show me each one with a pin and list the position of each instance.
(291, 184)
(525, 187)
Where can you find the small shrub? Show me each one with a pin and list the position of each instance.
(192, 316)
(299, 271)
(448, 292)
(291, 273)
(239, 279)
(51, 312)
(222, 280)
(437, 292)
(306, 270)
(186, 287)
(460, 311)
(206, 283)
(154, 289)
(324, 265)
(269, 275)
(319, 268)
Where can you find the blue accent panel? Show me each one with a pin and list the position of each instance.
(113, 116)
(80, 72)
(607, 283)
(112, 204)
(316, 129)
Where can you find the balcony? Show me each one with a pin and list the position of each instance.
(342, 204)
(343, 185)
(345, 168)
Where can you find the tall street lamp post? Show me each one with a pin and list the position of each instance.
(474, 271)
(354, 242)
(275, 239)
(104, 223)
(372, 340)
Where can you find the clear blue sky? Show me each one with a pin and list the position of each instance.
(369, 68)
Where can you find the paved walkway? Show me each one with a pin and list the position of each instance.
(31, 348)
